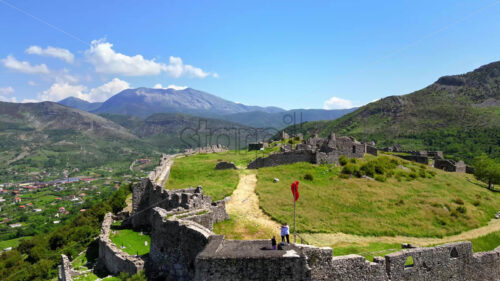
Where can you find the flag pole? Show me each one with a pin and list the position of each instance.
(294, 238)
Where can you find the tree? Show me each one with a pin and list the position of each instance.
(487, 170)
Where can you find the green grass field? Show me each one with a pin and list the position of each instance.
(200, 170)
(12, 242)
(424, 207)
(486, 243)
(132, 241)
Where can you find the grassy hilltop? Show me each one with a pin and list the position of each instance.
(436, 206)
(407, 199)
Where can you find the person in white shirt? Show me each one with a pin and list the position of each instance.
(285, 233)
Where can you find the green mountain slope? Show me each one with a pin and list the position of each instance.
(458, 114)
(49, 135)
(173, 131)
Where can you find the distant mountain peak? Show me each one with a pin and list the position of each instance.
(146, 101)
(77, 103)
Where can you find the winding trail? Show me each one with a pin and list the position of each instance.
(243, 208)
(330, 239)
(252, 223)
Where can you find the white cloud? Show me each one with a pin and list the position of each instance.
(4, 92)
(64, 77)
(175, 87)
(29, 100)
(32, 83)
(59, 53)
(24, 66)
(59, 91)
(106, 60)
(177, 68)
(337, 103)
(7, 99)
(108, 90)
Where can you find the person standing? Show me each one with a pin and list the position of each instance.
(285, 233)
(273, 242)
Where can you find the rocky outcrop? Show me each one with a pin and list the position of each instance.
(223, 165)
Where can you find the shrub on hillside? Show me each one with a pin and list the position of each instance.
(308, 177)
(348, 169)
(344, 176)
(461, 209)
(380, 178)
(343, 160)
(368, 169)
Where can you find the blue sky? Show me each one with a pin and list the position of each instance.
(291, 54)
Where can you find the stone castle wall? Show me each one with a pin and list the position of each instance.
(207, 149)
(175, 243)
(185, 250)
(416, 158)
(65, 270)
(283, 159)
(111, 256)
(146, 196)
(315, 150)
(371, 150)
(161, 173)
(183, 247)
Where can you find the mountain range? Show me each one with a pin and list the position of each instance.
(143, 102)
(459, 114)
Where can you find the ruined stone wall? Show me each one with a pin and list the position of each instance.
(185, 250)
(155, 174)
(111, 256)
(371, 150)
(445, 164)
(283, 159)
(207, 149)
(454, 261)
(174, 246)
(326, 158)
(146, 196)
(65, 271)
(218, 209)
(247, 269)
(460, 167)
(416, 158)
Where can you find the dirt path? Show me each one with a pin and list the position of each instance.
(339, 239)
(250, 221)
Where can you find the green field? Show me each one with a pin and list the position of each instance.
(12, 242)
(486, 243)
(200, 170)
(423, 207)
(132, 241)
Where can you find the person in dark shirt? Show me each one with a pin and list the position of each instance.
(273, 242)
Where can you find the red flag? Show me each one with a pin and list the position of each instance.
(295, 190)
